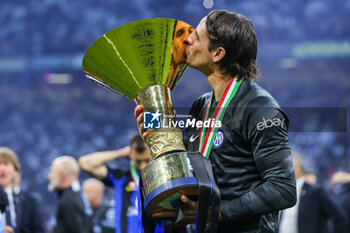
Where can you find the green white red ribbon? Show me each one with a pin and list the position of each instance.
(135, 174)
(207, 136)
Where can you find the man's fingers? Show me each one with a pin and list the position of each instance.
(138, 114)
(190, 211)
(138, 110)
(143, 132)
(140, 119)
(189, 202)
(147, 132)
(165, 214)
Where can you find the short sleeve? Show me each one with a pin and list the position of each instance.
(112, 174)
(268, 137)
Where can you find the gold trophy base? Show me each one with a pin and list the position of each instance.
(165, 179)
(170, 199)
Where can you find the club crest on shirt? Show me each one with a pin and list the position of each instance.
(219, 139)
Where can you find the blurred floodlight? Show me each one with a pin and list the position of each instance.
(208, 3)
(288, 63)
(15, 64)
(76, 60)
(53, 78)
(322, 49)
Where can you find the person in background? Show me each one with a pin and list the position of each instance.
(343, 178)
(3, 205)
(314, 207)
(22, 214)
(124, 179)
(310, 178)
(73, 214)
(104, 215)
(16, 185)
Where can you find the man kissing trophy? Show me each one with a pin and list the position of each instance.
(144, 61)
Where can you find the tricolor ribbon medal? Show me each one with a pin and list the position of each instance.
(135, 174)
(207, 136)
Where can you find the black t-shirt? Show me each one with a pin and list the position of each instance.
(250, 157)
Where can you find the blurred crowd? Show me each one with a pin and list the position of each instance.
(44, 121)
(85, 208)
(56, 26)
(40, 122)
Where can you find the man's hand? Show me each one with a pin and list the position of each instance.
(125, 152)
(138, 113)
(189, 211)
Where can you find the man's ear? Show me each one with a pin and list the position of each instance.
(219, 53)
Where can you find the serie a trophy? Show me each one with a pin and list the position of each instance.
(144, 61)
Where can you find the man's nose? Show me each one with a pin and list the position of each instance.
(189, 40)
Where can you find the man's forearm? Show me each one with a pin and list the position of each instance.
(94, 161)
(277, 192)
(252, 203)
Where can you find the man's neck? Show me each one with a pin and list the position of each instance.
(218, 82)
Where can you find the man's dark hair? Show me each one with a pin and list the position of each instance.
(235, 33)
(137, 143)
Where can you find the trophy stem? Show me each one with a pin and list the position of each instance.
(157, 98)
